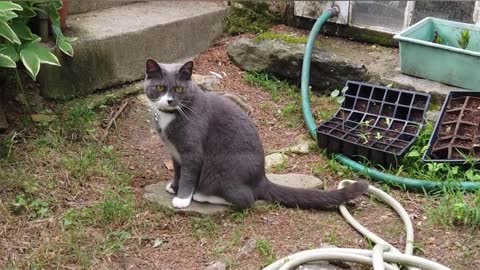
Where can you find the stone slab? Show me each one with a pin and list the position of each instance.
(114, 44)
(157, 193)
(83, 6)
(296, 180)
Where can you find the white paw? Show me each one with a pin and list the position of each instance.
(169, 188)
(181, 203)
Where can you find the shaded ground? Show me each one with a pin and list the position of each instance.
(148, 237)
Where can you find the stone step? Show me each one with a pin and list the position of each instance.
(114, 43)
(83, 6)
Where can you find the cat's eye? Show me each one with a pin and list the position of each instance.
(178, 89)
(160, 88)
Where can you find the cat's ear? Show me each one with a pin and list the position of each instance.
(185, 72)
(152, 68)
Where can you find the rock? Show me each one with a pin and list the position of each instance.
(43, 118)
(217, 265)
(157, 193)
(285, 60)
(208, 83)
(247, 248)
(143, 98)
(296, 180)
(274, 160)
(303, 147)
(432, 116)
(240, 101)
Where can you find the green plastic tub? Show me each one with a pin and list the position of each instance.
(447, 62)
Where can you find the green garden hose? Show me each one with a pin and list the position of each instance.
(407, 183)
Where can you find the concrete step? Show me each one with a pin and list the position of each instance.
(114, 44)
(83, 6)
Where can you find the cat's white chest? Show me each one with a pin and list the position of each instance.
(163, 120)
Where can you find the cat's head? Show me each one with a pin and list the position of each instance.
(169, 87)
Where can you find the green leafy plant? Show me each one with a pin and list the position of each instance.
(463, 39)
(364, 137)
(19, 44)
(437, 38)
(378, 136)
(338, 95)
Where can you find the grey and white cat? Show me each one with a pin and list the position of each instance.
(216, 149)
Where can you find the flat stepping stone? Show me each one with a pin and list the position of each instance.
(156, 193)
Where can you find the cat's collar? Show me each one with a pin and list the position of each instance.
(158, 111)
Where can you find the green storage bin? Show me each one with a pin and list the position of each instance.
(447, 62)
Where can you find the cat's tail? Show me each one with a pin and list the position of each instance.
(309, 198)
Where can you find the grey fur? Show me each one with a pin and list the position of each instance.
(220, 149)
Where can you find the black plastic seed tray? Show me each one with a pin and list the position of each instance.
(456, 136)
(374, 123)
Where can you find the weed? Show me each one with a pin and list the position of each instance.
(278, 168)
(6, 145)
(81, 165)
(332, 237)
(115, 241)
(455, 209)
(239, 216)
(264, 247)
(78, 122)
(117, 208)
(204, 226)
(36, 208)
(280, 90)
(463, 39)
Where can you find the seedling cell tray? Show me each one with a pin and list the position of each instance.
(374, 123)
(456, 136)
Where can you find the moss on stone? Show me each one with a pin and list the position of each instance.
(250, 17)
(287, 38)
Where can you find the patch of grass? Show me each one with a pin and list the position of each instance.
(6, 145)
(455, 208)
(332, 237)
(115, 241)
(280, 91)
(265, 249)
(288, 38)
(78, 122)
(249, 17)
(240, 216)
(204, 226)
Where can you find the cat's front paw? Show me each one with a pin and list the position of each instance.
(169, 188)
(181, 203)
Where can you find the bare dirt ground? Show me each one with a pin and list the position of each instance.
(287, 230)
(163, 240)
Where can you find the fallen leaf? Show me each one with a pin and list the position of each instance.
(169, 164)
(157, 243)
(43, 118)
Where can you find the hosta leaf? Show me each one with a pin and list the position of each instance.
(10, 51)
(6, 61)
(9, 5)
(7, 33)
(21, 29)
(64, 46)
(31, 62)
(43, 54)
(7, 15)
(27, 12)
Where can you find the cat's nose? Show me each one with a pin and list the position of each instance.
(169, 101)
